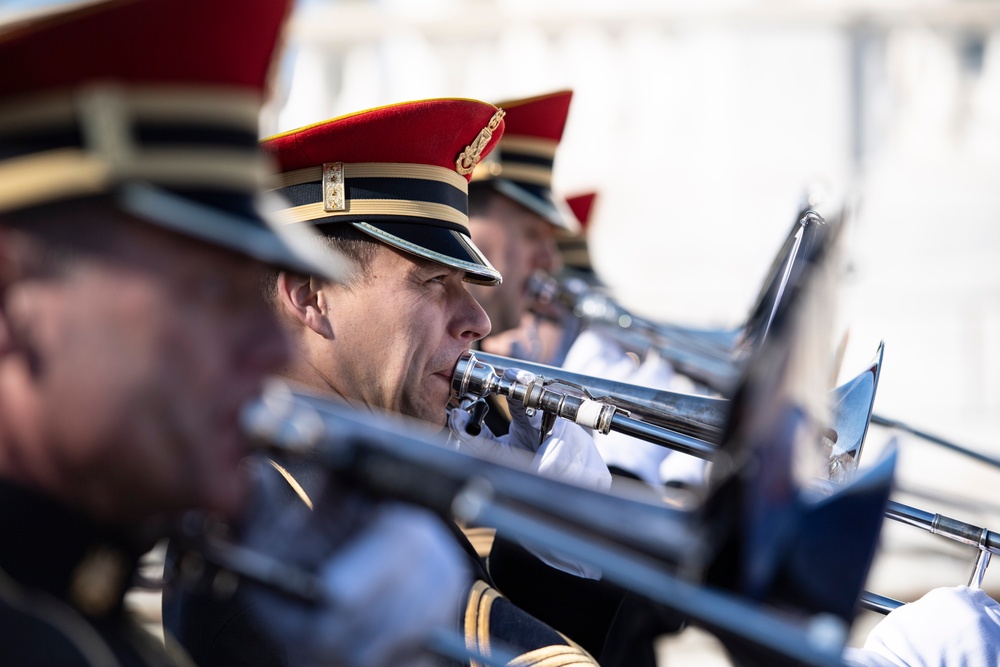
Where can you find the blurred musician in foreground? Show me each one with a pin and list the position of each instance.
(130, 327)
(947, 626)
(388, 189)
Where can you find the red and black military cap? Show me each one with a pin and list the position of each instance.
(521, 166)
(399, 173)
(155, 103)
(573, 248)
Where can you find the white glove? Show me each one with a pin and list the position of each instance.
(595, 353)
(947, 626)
(568, 454)
(393, 584)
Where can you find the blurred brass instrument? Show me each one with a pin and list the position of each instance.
(714, 358)
(694, 425)
(985, 541)
(644, 546)
(706, 356)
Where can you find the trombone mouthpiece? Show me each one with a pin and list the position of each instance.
(472, 377)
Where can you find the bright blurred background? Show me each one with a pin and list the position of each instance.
(702, 123)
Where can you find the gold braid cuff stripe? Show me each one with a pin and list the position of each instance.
(234, 107)
(477, 619)
(481, 539)
(375, 170)
(72, 172)
(555, 656)
(363, 207)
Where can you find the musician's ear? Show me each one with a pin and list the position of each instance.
(302, 300)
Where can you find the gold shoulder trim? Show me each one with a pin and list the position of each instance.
(481, 539)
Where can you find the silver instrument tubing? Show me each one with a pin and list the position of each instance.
(702, 417)
(986, 541)
(475, 378)
(937, 524)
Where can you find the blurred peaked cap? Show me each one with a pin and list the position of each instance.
(573, 247)
(521, 166)
(399, 173)
(155, 103)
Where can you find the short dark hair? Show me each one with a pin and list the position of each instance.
(353, 244)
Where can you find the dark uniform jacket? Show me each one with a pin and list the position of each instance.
(619, 627)
(63, 580)
(228, 632)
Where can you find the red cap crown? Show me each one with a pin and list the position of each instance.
(581, 205)
(143, 42)
(399, 173)
(543, 117)
(521, 167)
(425, 132)
(573, 247)
(155, 102)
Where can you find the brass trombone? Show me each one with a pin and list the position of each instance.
(671, 419)
(687, 423)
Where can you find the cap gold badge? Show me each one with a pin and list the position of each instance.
(469, 158)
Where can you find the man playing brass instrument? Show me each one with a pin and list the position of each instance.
(387, 188)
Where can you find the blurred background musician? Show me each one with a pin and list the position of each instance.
(558, 338)
(516, 219)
